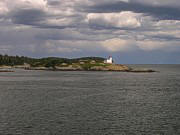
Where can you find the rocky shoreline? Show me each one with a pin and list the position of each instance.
(98, 70)
(110, 68)
(6, 71)
(80, 66)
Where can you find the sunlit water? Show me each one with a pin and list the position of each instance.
(91, 103)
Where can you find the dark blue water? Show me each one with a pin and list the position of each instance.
(91, 103)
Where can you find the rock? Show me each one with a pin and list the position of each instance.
(69, 68)
(99, 68)
(142, 70)
(118, 67)
(5, 67)
(64, 64)
(6, 70)
(37, 68)
(82, 63)
(93, 62)
(22, 66)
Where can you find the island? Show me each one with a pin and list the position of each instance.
(65, 64)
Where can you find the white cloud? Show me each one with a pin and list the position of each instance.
(118, 45)
(149, 45)
(123, 19)
(26, 4)
(124, 45)
(152, 45)
(3, 8)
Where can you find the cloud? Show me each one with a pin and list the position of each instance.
(3, 8)
(26, 4)
(114, 20)
(4, 49)
(151, 45)
(160, 11)
(82, 27)
(172, 3)
(53, 47)
(118, 45)
(42, 13)
(69, 47)
(124, 45)
(27, 16)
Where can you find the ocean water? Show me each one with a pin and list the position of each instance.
(91, 103)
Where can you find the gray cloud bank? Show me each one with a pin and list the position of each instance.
(87, 27)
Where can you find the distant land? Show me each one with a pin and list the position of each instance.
(63, 64)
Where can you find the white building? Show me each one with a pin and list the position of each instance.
(109, 60)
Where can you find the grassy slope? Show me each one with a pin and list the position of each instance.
(53, 61)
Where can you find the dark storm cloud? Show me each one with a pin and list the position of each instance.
(56, 36)
(34, 17)
(53, 3)
(160, 12)
(166, 38)
(27, 16)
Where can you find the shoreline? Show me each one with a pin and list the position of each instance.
(128, 71)
(2, 71)
(107, 68)
(56, 70)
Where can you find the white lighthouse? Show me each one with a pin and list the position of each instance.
(109, 60)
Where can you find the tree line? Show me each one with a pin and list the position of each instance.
(14, 60)
(47, 62)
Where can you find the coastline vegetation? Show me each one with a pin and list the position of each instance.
(51, 62)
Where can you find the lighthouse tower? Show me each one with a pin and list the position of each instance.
(109, 60)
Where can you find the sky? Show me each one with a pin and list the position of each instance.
(132, 31)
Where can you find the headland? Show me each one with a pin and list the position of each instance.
(63, 64)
